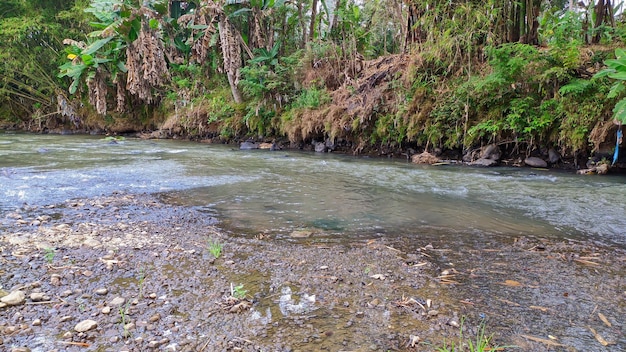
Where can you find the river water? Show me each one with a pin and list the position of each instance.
(466, 213)
(331, 195)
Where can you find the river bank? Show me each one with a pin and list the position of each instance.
(139, 275)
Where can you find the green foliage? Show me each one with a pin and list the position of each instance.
(49, 255)
(311, 98)
(616, 70)
(238, 291)
(215, 248)
(479, 343)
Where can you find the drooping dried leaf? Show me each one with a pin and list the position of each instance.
(544, 341)
(604, 320)
(598, 337)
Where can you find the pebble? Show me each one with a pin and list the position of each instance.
(106, 310)
(433, 313)
(68, 335)
(102, 291)
(65, 318)
(155, 318)
(39, 297)
(66, 293)
(14, 298)
(20, 349)
(117, 301)
(86, 325)
(55, 279)
(37, 322)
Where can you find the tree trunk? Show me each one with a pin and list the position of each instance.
(312, 35)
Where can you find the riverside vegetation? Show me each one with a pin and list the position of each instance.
(384, 77)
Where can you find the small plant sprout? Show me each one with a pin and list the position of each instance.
(215, 248)
(141, 278)
(49, 254)
(124, 320)
(238, 291)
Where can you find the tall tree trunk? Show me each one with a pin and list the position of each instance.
(231, 52)
(312, 35)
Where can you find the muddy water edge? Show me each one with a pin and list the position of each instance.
(141, 270)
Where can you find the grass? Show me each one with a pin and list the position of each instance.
(238, 291)
(124, 320)
(49, 255)
(215, 248)
(479, 343)
(141, 279)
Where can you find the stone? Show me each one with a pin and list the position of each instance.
(3, 293)
(20, 349)
(55, 279)
(320, 147)
(155, 318)
(36, 322)
(39, 297)
(491, 152)
(91, 242)
(534, 161)
(66, 318)
(553, 156)
(117, 301)
(301, 234)
(102, 291)
(86, 325)
(248, 146)
(484, 162)
(14, 298)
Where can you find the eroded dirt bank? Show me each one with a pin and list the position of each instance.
(130, 273)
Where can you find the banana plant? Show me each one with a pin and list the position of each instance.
(616, 69)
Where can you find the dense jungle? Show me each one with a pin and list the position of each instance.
(391, 78)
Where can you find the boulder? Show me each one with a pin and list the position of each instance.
(248, 146)
(534, 161)
(553, 156)
(320, 147)
(484, 162)
(491, 151)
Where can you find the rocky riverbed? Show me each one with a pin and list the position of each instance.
(131, 273)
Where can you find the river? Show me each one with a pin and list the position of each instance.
(534, 252)
(334, 195)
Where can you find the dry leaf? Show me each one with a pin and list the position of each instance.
(543, 309)
(604, 320)
(600, 339)
(586, 262)
(512, 283)
(544, 341)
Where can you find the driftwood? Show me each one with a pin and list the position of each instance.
(600, 169)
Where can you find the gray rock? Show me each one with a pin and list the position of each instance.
(320, 147)
(490, 152)
(39, 297)
(102, 291)
(86, 325)
(553, 156)
(484, 162)
(248, 146)
(534, 161)
(117, 301)
(14, 298)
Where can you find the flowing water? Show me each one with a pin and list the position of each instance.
(467, 212)
(336, 195)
